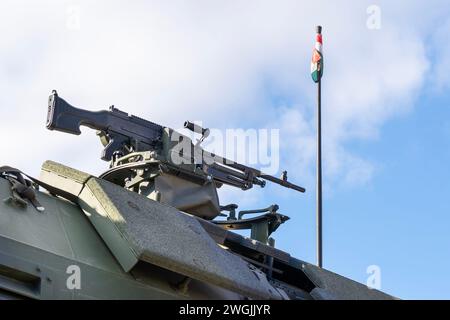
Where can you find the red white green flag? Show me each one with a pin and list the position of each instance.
(317, 60)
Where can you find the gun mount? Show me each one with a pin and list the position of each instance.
(166, 166)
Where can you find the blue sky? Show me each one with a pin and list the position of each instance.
(399, 221)
(245, 64)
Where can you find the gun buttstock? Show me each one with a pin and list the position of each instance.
(60, 116)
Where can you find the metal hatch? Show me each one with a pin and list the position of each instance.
(136, 228)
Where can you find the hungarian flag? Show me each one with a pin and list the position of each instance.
(317, 59)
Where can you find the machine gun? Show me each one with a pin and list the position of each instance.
(157, 161)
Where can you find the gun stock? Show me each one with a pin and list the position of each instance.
(61, 116)
(124, 132)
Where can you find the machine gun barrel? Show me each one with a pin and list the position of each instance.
(258, 174)
(283, 183)
(249, 175)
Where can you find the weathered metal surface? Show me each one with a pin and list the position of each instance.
(44, 245)
(331, 286)
(136, 228)
(222, 236)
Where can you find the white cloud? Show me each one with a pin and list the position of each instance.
(219, 62)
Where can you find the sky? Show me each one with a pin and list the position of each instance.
(246, 64)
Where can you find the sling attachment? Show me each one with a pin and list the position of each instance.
(21, 189)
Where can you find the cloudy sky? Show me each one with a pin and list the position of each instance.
(245, 64)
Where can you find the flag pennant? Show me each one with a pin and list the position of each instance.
(317, 59)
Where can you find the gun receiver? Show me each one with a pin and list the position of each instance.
(124, 133)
